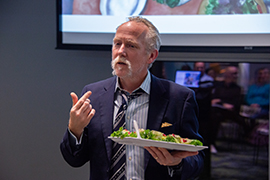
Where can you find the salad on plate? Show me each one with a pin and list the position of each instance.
(156, 136)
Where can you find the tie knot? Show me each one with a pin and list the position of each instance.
(128, 97)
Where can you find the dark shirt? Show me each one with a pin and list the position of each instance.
(228, 93)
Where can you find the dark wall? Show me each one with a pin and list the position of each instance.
(36, 80)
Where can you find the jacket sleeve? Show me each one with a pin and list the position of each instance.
(74, 155)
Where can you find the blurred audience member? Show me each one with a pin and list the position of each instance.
(186, 67)
(226, 101)
(205, 80)
(258, 93)
(266, 75)
(211, 72)
(203, 97)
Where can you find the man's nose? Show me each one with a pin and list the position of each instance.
(122, 50)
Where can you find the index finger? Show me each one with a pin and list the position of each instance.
(83, 99)
(86, 96)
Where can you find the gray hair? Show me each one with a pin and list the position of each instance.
(153, 40)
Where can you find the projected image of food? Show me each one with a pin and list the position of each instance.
(170, 7)
(229, 25)
(234, 6)
(136, 7)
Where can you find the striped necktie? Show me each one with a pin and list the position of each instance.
(118, 162)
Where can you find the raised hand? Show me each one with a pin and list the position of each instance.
(80, 114)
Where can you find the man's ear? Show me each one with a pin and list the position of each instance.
(152, 56)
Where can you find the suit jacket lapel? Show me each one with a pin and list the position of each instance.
(157, 108)
(157, 104)
(106, 115)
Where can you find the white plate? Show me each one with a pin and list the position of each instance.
(163, 144)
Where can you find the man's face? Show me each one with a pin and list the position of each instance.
(266, 75)
(199, 66)
(263, 76)
(232, 74)
(129, 55)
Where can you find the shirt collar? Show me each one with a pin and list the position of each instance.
(145, 86)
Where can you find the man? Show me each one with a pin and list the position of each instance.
(226, 101)
(258, 94)
(135, 48)
(205, 80)
(227, 94)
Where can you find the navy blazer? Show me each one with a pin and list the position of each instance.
(168, 102)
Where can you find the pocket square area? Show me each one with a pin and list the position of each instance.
(165, 124)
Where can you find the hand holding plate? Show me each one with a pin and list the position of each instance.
(164, 157)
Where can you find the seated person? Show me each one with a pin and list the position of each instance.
(211, 72)
(258, 94)
(226, 98)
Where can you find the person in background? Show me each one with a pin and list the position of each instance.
(92, 117)
(226, 101)
(211, 72)
(205, 80)
(258, 94)
(203, 97)
(186, 67)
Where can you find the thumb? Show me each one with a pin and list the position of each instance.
(74, 98)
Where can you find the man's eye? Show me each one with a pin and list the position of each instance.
(131, 46)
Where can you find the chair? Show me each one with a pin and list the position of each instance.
(260, 138)
(248, 111)
(231, 132)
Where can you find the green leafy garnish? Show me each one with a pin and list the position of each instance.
(155, 135)
(196, 142)
(170, 139)
(121, 133)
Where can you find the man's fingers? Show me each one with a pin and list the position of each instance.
(166, 158)
(184, 154)
(159, 153)
(74, 98)
(78, 103)
(86, 107)
(155, 152)
(86, 95)
(164, 151)
(151, 152)
(91, 114)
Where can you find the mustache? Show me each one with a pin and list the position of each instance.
(117, 60)
(120, 60)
